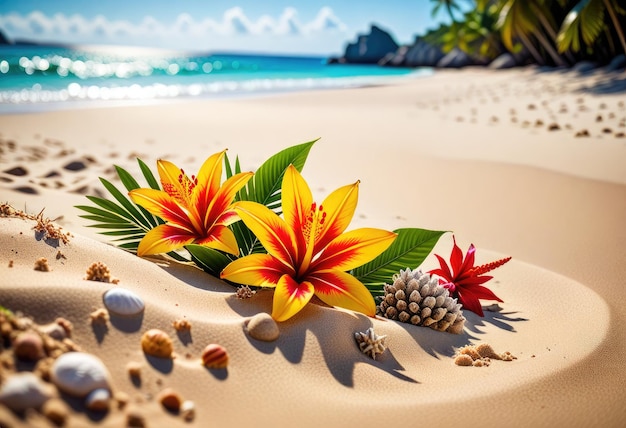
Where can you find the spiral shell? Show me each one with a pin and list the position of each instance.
(124, 302)
(157, 343)
(215, 356)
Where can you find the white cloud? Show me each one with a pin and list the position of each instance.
(185, 31)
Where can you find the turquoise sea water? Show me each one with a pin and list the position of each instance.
(43, 77)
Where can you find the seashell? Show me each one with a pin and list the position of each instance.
(79, 373)
(188, 410)
(157, 343)
(370, 343)
(98, 400)
(263, 327)
(23, 391)
(170, 399)
(28, 346)
(215, 356)
(121, 301)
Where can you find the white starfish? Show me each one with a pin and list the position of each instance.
(370, 343)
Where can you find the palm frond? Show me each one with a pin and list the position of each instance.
(409, 250)
(582, 25)
(121, 217)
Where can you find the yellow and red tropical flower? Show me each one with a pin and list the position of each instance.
(196, 210)
(308, 251)
(463, 280)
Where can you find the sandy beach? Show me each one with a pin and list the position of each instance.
(523, 163)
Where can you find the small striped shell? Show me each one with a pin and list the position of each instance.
(157, 343)
(121, 301)
(215, 356)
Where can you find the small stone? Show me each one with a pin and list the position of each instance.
(28, 346)
(98, 400)
(170, 399)
(263, 327)
(55, 411)
(188, 410)
(23, 391)
(135, 418)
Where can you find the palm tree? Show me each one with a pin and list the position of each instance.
(449, 5)
(524, 19)
(586, 21)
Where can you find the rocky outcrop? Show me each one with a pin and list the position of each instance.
(456, 58)
(506, 60)
(4, 40)
(419, 54)
(369, 48)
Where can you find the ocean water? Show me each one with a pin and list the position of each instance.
(41, 77)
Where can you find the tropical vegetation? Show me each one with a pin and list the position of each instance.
(546, 32)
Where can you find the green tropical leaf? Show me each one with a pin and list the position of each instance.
(583, 24)
(209, 259)
(409, 250)
(265, 188)
(122, 217)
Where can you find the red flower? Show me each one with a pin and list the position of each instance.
(464, 280)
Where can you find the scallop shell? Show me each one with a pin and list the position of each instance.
(157, 343)
(215, 356)
(79, 373)
(263, 327)
(123, 302)
(24, 391)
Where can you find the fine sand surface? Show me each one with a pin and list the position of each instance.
(499, 158)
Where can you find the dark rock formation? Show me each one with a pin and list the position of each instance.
(419, 54)
(4, 40)
(369, 48)
(506, 60)
(456, 58)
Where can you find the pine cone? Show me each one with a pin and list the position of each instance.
(417, 298)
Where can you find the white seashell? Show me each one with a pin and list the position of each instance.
(79, 373)
(24, 391)
(98, 400)
(188, 410)
(123, 302)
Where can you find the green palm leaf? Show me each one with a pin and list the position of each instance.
(121, 217)
(209, 259)
(265, 188)
(585, 21)
(409, 250)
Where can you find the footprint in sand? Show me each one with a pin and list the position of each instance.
(18, 171)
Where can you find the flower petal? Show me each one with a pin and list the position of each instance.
(262, 270)
(175, 182)
(296, 204)
(165, 206)
(209, 179)
(353, 249)
(339, 207)
(341, 289)
(456, 258)
(221, 238)
(223, 199)
(270, 229)
(163, 239)
(443, 271)
(290, 297)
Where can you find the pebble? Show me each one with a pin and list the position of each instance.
(263, 327)
(170, 399)
(23, 391)
(28, 346)
(79, 373)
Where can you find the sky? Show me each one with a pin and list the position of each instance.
(264, 26)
